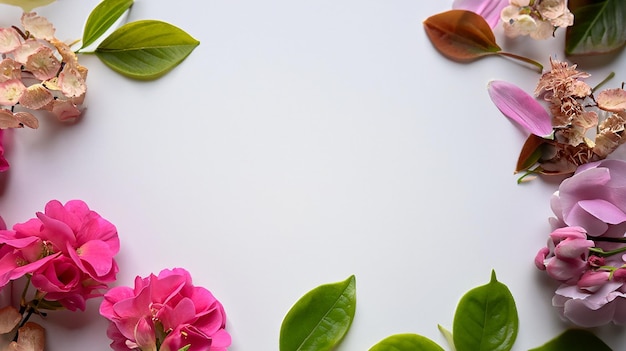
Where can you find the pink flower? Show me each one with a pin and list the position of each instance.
(4, 164)
(165, 310)
(488, 9)
(68, 250)
(521, 108)
(594, 198)
(565, 257)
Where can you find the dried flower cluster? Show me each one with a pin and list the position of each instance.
(38, 72)
(536, 18)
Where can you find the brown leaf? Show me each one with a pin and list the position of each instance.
(461, 35)
(613, 100)
(531, 153)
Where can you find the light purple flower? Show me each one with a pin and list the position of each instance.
(593, 198)
(489, 9)
(521, 108)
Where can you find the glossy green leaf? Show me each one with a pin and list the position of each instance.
(486, 319)
(599, 27)
(146, 49)
(574, 340)
(461, 35)
(102, 18)
(320, 319)
(406, 342)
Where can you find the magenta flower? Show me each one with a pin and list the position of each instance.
(521, 108)
(489, 9)
(593, 198)
(68, 250)
(166, 313)
(4, 165)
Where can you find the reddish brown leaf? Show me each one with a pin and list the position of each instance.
(461, 35)
(530, 154)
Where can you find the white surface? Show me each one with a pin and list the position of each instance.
(301, 142)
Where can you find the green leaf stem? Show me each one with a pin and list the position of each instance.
(102, 18)
(146, 49)
(486, 319)
(574, 340)
(599, 27)
(406, 342)
(321, 318)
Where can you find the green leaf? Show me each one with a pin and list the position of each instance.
(599, 27)
(574, 340)
(27, 5)
(461, 35)
(448, 336)
(145, 49)
(406, 342)
(321, 318)
(102, 18)
(486, 319)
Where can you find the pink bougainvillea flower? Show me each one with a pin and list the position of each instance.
(68, 250)
(489, 9)
(594, 198)
(168, 310)
(521, 108)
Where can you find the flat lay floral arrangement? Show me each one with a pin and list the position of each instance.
(65, 255)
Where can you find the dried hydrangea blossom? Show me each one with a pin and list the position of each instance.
(38, 72)
(535, 18)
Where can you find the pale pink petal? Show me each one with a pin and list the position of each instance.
(38, 26)
(11, 91)
(581, 315)
(603, 210)
(27, 119)
(489, 9)
(9, 318)
(31, 337)
(9, 69)
(9, 40)
(613, 100)
(36, 97)
(71, 82)
(65, 110)
(43, 64)
(28, 48)
(8, 120)
(520, 107)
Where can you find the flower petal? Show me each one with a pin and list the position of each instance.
(489, 9)
(520, 107)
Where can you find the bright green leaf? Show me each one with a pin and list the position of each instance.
(27, 5)
(574, 340)
(102, 18)
(599, 27)
(486, 319)
(406, 342)
(320, 319)
(146, 49)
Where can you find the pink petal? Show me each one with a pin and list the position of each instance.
(489, 9)
(520, 107)
(603, 210)
(98, 255)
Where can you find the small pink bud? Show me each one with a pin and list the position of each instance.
(596, 261)
(593, 278)
(540, 258)
(620, 274)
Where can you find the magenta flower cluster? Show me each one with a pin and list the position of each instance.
(67, 251)
(165, 312)
(586, 250)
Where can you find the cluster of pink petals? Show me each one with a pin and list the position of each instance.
(38, 72)
(68, 252)
(165, 312)
(590, 210)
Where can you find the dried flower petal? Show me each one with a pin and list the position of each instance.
(65, 110)
(613, 100)
(520, 107)
(8, 120)
(71, 82)
(9, 318)
(9, 69)
(29, 47)
(31, 337)
(11, 91)
(36, 97)
(9, 40)
(42, 64)
(27, 119)
(38, 26)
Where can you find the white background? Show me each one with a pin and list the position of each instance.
(300, 143)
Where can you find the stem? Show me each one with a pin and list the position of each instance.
(523, 59)
(607, 239)
(609, 77)
(599, 252)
